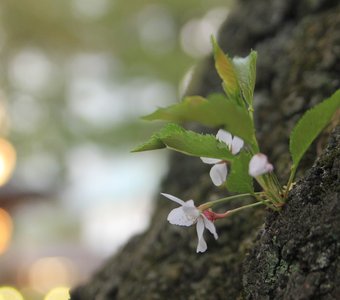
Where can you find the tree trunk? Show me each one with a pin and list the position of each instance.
(296, 253)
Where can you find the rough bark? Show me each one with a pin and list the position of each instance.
(296, 255)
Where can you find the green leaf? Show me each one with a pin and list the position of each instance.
(239, 181)
(188, 142)
(217, 112)
(310, 125)
(225, 70)
(245, 69)
(186, 110)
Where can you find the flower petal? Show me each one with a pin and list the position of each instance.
(191, 211)
(210, 161)
(202, 245)
(173, 198)
(179, 217)
(218, 174)
(224, 136)
(210, 226)
(259, 165)
(189, 203)
(236, 145)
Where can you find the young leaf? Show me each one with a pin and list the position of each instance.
(310, 125)
(238, 180)
(156, 142)
(188, 142)
(185, 110)
(225, 70)
(245, 69)
(217, 112)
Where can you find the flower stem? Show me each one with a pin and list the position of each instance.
(248, 206)
(290, 180)
(226, 199)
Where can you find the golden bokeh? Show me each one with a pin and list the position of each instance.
(58, 293)
(5, 230)
(7, 160)
(43, 280)
(10, 293)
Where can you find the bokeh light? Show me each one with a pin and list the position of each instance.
(7, 160)
(58, 293)
(4, 120)
(48, 272)
(75, 78)
(5, 230)
(156, 29)
(10, 293)
(30, 70)
(90, 9)
(195, 34)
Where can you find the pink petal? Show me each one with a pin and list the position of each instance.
(202, 245)
(191, 211)
(236, 145)
(210, 161)
(259, 165)
(173, 198)
(218, 174)
(178, 217)
(224, 136)
(210, 226)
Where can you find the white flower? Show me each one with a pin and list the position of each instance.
(219, 171)
(188, 214)
(259, 165)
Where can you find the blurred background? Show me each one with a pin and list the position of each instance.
(75, 76)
